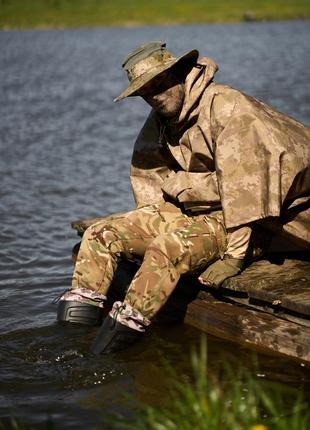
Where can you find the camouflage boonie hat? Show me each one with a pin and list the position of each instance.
(146, 62)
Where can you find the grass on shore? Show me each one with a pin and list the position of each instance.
(23, 14)
(232, 401)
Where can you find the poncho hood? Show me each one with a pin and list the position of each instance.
(195, 84)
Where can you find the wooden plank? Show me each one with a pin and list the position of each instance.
(286, 285)
(294, 296)
(267, 274)
(258, 330)
(276, 311)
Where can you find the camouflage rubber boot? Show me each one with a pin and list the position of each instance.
(121, 328)
(80, 306)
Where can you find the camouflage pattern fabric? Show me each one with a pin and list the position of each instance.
(84, 295)
(229, 162)
(127, 315)
(170, 243)
(226, 151)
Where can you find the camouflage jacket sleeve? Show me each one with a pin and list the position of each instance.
(238, 242)
(150, 164)
(193, 189)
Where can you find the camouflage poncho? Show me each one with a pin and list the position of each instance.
(225, 150)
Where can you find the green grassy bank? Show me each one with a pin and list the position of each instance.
(90, 13)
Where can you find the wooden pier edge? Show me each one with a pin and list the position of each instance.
(256, 329)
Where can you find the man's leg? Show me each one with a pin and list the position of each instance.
(185, 250)
(103, 244)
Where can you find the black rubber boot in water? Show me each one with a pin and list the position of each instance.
(114, 336)
(80, 313)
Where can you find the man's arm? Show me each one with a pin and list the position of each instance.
(191, 188)
(232, 262)
(149, 164)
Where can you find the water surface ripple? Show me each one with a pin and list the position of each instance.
(65, 152)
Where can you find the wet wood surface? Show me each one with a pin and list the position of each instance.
(277, 311)
(249, 327)
(284, 283)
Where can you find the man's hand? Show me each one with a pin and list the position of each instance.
(217, 272)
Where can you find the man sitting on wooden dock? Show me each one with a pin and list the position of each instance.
(209, 165)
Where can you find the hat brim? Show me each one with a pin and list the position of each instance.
(138, 83)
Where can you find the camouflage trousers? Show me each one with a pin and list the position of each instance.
(169, 243)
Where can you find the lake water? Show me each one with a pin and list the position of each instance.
(65, 154)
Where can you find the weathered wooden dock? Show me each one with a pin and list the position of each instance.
(266, 307)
